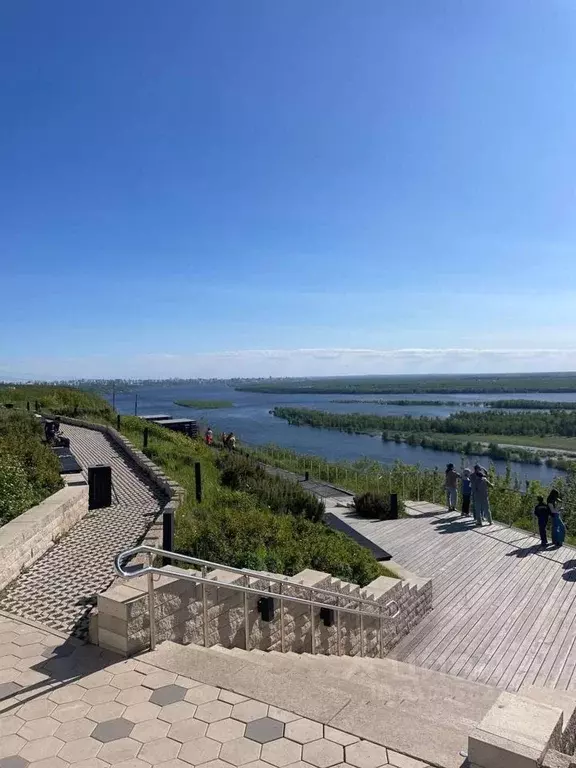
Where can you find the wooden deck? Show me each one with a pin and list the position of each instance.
(505, 612)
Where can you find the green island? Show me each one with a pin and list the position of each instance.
(205, 404)
(532, 405)
(405, 402)
(247, 518)
(412, 385)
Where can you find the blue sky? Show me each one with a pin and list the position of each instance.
(256, 187)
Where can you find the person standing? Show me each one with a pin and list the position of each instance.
(480, 485)
(466, 493)
(542, 514)
(558, 528)
(451, 486)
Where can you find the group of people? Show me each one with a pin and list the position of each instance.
(474, 489)
(227, 440)
(550, 511)
(53, 433)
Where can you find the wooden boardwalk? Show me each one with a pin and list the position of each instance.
(505, 612)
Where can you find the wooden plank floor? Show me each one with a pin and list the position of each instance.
(504, 611)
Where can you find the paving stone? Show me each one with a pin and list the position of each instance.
(159, 750)
(250, 710)
(27, 651)
(127, 680)
(9, 689)
(302, 764)
(138, 713)
(134, 763)
(92, 762)
(340, 737)
(283, 715)
(186, 682)
(67, 693)
(109, 711)
(168, 694)
(100, 695)
(15, 761)
(264, 730)
(37, 729)
(213, 711)
(200, 751)
(174, 764)
(72, 711)
(281, 752)
(226, 730)
(180, 710)
(240, 751)
(159, 680)
(75, 729)
(201, 694)
(59, 651)
(80, 749)
(11, 745)
(49, 746)
(10, 724)
(8, 662)
(133, 695)
(112, 730)
(261, 764)
(30, 638)
(95, 679)
(322, 753)
(214, 764)
(187, 730)
(37, 708)
(51, 762)
(116, 751)
(150, 730)
(231, 698)
(364, 754)
(304, 730)
(402, 761)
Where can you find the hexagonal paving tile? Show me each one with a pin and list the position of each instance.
(15, 761)
(100, 695)
(250, 710)
(29, 638)
(135, 762)
(10, 724)
(27, 651)
(8, 662)
(264, 730)
(200, 751)
(187, 730)
(137, 713)
(150, 730)
(109, 711)
(323, 753)
(168, 694)
(40, 748)
(38, 729)
(72, 711)
(202, 693)
(95, 679)
(240, 751)
(159, 680)
(91, 762)
(186, 682)
(67, 693)
(37, 708)
(281, 752)
(58, 651)
(131, 696)
(75, 729)
(51, 762)
(127, 680)
(180, 710)
(9, 689)
(226, 730)
(213, 711)
(11, 745)
(112, 730)
(283, 715)
(117, 751)
(397, 760)
(304, 730)
(364, 754)
(177, 763)
(159, 750)
(81, 749)
(340, 737)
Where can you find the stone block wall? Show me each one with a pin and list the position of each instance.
(123, 620)
(24, 539)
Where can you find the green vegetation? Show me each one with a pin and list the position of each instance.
(532, 405)
(409, 385)
(205, 404)
(260, 522)
(374, 505)
(29, 471)
(406, 402)
(65, 401)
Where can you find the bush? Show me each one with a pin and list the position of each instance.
(285, 497)
(16, 493)
(374, 505)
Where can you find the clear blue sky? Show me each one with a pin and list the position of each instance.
(185, 178)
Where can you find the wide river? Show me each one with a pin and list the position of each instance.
(250, 419)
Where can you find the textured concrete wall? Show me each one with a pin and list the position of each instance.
(123, 623)
(24, 539)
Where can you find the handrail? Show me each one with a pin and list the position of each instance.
(150, 570)
(143, 548)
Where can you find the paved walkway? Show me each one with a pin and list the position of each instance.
(62, 705)
(59, 589)
(505, 612)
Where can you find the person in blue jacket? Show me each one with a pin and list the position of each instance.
(554, 502)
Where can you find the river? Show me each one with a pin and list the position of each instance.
(250, 419)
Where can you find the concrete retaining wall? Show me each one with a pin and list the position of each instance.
(24, 539)
(123, 621)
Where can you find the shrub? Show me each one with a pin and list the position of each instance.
(16, 493)
(374, 505)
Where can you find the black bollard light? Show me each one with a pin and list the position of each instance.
(145, 441)
(394, 506)
(168, 534)
(198, 478)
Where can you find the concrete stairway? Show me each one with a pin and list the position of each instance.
(420, 713)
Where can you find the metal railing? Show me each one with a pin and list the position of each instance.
(378, 609)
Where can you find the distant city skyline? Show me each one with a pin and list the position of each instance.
(264, 188)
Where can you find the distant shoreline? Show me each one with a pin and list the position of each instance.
(202, 405)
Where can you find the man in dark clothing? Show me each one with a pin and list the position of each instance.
(542, 513)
